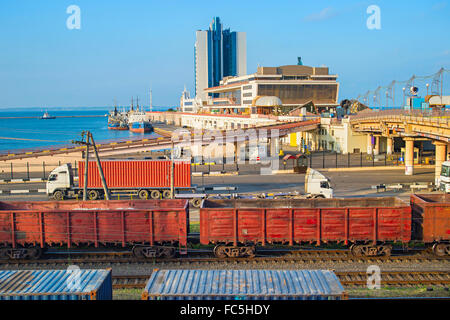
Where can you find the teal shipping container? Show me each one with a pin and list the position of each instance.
(76, 284)
(243, 285)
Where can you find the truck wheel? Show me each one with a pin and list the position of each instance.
(441, 249)
(155, 194)
(143, 194)
(196, 202)
(166, 194)
(93, 194)
(58, 195)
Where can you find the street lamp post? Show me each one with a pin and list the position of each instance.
(427, 87)
(403, 95)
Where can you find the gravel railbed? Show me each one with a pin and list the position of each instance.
(144, 268)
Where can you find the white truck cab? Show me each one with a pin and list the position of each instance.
(444, 178)
(60, 179)
(317, 185)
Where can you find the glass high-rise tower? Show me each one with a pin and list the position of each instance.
(218, 53)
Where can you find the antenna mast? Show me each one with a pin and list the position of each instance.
(151, 102)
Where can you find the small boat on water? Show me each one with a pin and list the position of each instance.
(47, 116)
(117, 125)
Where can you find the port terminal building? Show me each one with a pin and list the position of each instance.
(294, 86)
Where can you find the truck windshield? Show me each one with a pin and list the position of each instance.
(52, 177)
(324, 185)
(445, 172)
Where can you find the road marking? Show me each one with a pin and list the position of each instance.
(19, 191)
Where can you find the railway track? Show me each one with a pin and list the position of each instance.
(350, 279)
(206, 259)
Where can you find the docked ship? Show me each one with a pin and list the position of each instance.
(137, 120)
(47, 116)
(117, 120)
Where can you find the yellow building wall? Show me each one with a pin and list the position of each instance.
(293, 139)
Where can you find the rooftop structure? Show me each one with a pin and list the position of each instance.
(294, 85)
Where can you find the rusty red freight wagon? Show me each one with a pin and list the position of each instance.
(431, 221)
(369, 224)
(151, 228)
(149, 179)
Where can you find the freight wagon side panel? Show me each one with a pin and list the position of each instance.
(216, 225)
(94, 227)
(80, 226)
(361, 224)
(136, 174)
(277, 226)
(5, 228)
(286, 225)
(170, 226)
(393, 224)
(19, 228)
(306, 225)
(333, 223)
(431, 217)
(437, 223)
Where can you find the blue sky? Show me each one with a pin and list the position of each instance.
(124, 47)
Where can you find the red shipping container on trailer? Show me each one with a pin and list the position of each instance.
(136, 174)
(239, 225)
(431, 221)
(26, 227)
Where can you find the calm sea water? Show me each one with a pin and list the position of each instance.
(28, 134)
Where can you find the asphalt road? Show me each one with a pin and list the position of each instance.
(345, 184)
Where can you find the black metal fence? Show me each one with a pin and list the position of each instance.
(28, 170)
(316, 160)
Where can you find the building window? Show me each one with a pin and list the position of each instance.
(247, 87)
(293, 94)
(247, 102)
(248, 94)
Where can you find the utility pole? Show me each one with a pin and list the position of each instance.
(100, 169)
(90, 142)
(86, 157)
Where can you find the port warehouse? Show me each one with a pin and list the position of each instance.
(81, 284)
(159, 228)
(243, 285)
